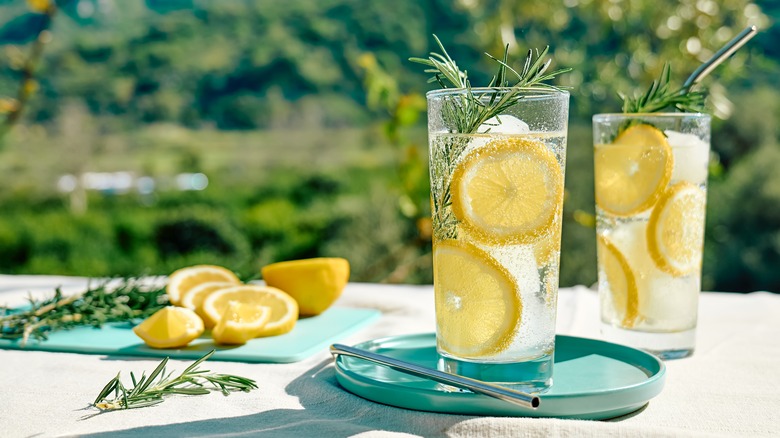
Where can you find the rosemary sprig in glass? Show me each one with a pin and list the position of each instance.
(466, 112)
(660, 96)
(107, 302)
(148, 391)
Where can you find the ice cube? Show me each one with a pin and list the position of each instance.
(671, 303)
(667, 301)
(691, 157)
(504, 124)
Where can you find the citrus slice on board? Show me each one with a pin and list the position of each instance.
(181, 281)
(633, 171)
(170, 327)
(194, 297)
(509, 191)
(284, 309)
(478, 305)
(314, 283)
(675, 231)
(621, 281)
(240, 323)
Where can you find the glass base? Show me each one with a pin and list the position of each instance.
(531, 376)
(675, 345)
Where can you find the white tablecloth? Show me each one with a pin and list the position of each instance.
(730, 387)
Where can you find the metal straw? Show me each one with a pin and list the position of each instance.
(496, 391)
(720, 56)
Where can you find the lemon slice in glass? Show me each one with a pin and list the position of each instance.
(284, 309)
(621, 280)
(478, 305)
(548, 250)
(633, 171)
(675, 234)
(509, 191)
(170, 327)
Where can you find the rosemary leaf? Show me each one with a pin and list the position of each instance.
(110, 386)
(660, 97)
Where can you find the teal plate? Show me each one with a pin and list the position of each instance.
(592, 380)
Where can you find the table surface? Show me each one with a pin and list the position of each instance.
(730, 386)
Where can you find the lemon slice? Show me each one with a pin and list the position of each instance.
(284, 309)
(621, 280)
(194, 297)
(633, 171)
(509, 191)
(170, 327)
(548, 249)
(181, 281)
(478, 305)
(675, 231)
(240, 323)
(314, 283)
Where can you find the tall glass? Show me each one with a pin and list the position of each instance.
(497, 195)
(651, 191)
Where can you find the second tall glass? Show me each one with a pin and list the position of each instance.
(651, 190)
(497, 194)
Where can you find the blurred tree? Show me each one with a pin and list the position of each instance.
(35, 27)
(78, 142)
(621, 46)
(403, 111)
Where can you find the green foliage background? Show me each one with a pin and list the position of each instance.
(310, 124)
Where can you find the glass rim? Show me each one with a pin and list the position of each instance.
(607, 117)
(535, 93)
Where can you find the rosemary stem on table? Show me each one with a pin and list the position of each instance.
(148, 391)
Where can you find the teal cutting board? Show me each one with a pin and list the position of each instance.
(310, 335)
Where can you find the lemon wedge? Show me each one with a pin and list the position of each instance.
(509, 191)
(240, 323)
(183, 280)
(633, 171)
(314, 283)
(170, 327)
(284, 309)
(621, 281)
(478, 306)
(675, 231)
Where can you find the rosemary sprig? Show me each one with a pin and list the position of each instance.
(148, 391)
(467, 113)
(660, 96)
(105, 303)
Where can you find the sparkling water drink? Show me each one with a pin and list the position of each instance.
(497, 197)
(651, 189)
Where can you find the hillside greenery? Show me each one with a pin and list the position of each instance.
(309, 123)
